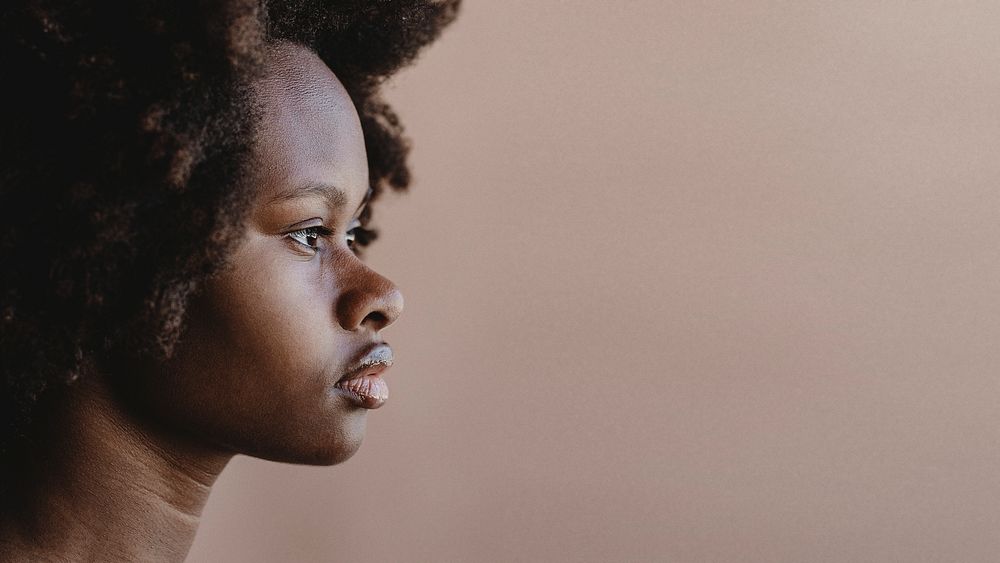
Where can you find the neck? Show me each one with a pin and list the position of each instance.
(98, 484)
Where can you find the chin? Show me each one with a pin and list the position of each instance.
(318, 446)
(340, 453)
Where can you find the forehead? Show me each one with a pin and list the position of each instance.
(310, 131)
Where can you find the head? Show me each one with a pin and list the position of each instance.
(207, 180)
(295, 309)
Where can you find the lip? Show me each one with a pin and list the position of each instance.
(362, 382)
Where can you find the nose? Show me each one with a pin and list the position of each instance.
(368, 300)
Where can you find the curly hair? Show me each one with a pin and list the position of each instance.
(124, 175)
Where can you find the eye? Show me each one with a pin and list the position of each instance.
(310, 236)
(351, 235)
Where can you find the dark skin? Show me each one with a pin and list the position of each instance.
(123, 466)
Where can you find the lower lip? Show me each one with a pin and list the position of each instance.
(367, 391)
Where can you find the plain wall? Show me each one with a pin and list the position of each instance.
(685, 281)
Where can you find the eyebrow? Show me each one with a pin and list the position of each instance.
(334, 196)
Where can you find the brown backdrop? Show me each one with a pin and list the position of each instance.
(685, 281)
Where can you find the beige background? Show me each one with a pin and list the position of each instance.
(685, 281)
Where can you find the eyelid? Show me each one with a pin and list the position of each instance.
(300, 225)
(354, 223)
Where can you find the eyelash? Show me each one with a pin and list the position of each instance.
(315, 233)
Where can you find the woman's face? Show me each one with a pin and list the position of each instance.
(296, 311)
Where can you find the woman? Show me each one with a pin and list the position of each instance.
(185, 190)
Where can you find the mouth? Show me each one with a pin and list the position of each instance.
(362, 383)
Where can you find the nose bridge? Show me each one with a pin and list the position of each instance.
(366, 298)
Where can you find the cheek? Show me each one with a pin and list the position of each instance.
(272, 329)
(276, 312)
(256, 365)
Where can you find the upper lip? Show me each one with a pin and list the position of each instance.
(371, 361)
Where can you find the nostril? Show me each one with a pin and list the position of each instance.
(371, 302)
(370, 308)
(376, 318)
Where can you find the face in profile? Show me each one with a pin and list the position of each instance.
(283, 350)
